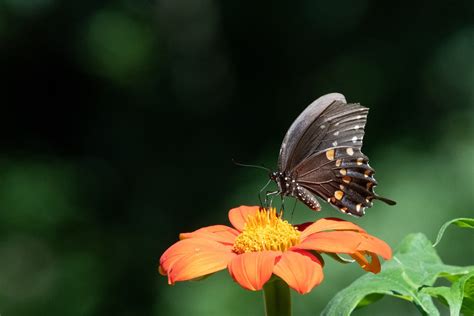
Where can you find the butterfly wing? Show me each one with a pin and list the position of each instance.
(292, 149)
(322, 149)
(342, 177)
(326, 123)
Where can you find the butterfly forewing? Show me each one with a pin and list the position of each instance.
(339, 124)
(307, 120)
(346, 123)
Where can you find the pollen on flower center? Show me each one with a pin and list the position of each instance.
(266, 230)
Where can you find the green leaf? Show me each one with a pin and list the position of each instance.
(415, 265)
(467, 307)
(460, 222)
(369, 299)
(455, 296)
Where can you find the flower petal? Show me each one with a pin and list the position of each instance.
(374, 245)
(300, 270)
(253, 269)
(238, 216)
(345, 242)
(328, 224)
(372, 266)
(219, 233)
(195, 257)
(336, 242)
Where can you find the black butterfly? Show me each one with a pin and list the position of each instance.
(321, 156)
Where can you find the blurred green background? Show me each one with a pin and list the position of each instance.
(119, 121)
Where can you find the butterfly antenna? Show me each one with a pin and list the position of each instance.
(252, 166)
(264, 204)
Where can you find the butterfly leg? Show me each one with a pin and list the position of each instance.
(261, 192)
(282, 202)
(260, 198)
(293, 210)
(269, 197)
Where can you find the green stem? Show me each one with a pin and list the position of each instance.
(277, 298)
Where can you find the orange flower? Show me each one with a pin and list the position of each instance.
(262, 243)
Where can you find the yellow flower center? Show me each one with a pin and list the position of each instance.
(266, 230)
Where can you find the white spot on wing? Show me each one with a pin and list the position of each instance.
(354, 139)
(322, 126)
(336, 133)
(334, 143)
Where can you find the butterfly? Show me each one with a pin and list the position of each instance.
(321, 156)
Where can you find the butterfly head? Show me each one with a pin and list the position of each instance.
(280, 178)
(274, 175)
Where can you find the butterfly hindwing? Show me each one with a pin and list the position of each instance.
(342, 177)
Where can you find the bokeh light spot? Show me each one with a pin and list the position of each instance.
(118, 46)
(27, 269)
(35, 196)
